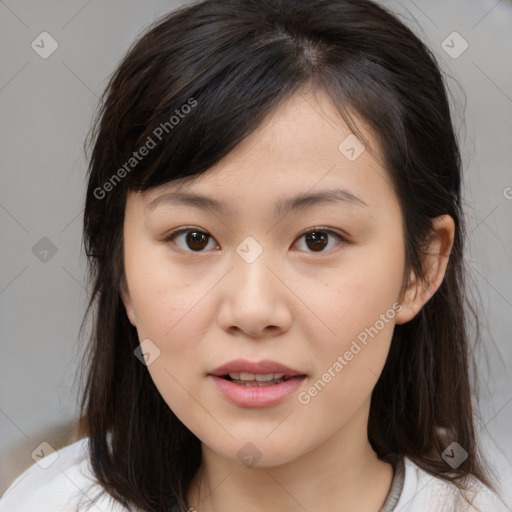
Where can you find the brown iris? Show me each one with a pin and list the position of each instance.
(197, 240)
(317, 239)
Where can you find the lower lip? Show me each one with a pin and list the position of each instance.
(257, 396)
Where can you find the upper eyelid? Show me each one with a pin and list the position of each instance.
(201, 230)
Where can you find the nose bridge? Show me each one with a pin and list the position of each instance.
(253, 301)
(251, 262)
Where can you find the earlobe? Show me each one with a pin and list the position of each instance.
(435, 261)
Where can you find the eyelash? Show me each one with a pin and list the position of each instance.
(171, 236)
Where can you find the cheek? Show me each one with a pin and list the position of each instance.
(171, 314)
(173, 311)
(349, 362)
(163, 298)
(357, 304)
(357, 296)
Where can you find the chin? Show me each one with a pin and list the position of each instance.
(254, 452)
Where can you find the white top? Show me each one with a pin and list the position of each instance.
(62, 482)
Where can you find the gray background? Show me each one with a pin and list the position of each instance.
(46, 109)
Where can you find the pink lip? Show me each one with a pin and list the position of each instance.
(262, 367)
(256, 396)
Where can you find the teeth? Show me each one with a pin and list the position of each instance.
(255, 383)
(268, 376)
(256, 377)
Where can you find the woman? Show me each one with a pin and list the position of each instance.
(274, 226)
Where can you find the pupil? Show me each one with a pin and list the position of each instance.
(318, 239)
(196, 240)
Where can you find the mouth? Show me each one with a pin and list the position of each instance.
(261, 373)
(251, 379)
(256, 384)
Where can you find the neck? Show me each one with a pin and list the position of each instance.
(342, 474)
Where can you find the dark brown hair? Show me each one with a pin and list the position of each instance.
(232, 62)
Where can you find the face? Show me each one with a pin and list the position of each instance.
(311, 284)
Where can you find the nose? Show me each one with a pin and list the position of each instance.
(255, 301)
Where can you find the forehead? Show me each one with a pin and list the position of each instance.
(303, 148)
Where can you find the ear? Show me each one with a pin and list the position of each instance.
(125, 296)
(434, 261)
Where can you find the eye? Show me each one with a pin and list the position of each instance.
(196, 239)
(317, 239)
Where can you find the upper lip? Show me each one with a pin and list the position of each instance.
(263, 367)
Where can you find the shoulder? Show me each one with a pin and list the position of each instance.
(60, 482)
(423, 492)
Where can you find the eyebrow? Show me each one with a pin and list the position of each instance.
(282, 207)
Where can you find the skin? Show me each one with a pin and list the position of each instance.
(293, 305)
